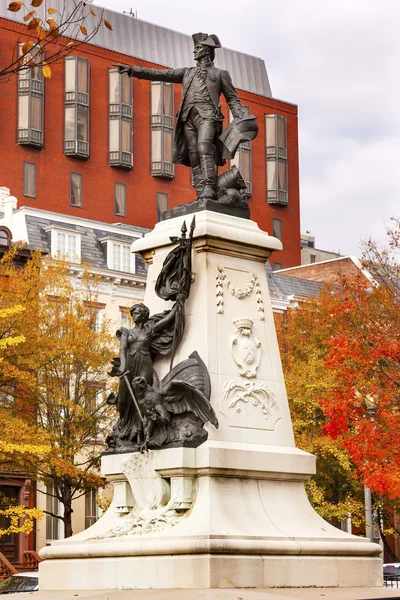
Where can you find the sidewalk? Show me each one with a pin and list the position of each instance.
(217, 594)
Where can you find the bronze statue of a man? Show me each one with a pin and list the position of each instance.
(199, 119)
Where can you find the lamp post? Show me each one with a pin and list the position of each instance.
(371, 517)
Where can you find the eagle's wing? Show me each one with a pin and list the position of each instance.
(192, 371)
(181, 397)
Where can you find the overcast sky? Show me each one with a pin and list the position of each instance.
(338, 60)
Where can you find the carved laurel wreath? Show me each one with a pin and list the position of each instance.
(238, 292)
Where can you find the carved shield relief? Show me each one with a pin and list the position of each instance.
(246, 349)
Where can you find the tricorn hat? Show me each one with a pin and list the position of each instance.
(240, 130)
(204, 39)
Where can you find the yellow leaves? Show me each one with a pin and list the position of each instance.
(11, 341)
(107, 24)
(17, 448)
(46, 70)
(14, 6)
(16, 514)
(51, 11)
(11, 311)
(36, 3)
(83, 29)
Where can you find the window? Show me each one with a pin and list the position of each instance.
(121, 257)
(5, 236)
(276, 152)
(120, 120)
(126, 320)
(120, 199)
(277, 228)
(65, 244)
(99, 316)
(91, 508)
(313, 258)
(277, 266)
(162, 204)
(93, 399)
(76, 129)
(242, 158)
(31, 100)
(30, 179)
(53, 525)
(162, 129)
(75, 198)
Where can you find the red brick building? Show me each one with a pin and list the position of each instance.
(89, 143)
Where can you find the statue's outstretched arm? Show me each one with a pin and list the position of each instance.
(169, 319)
(168, 75)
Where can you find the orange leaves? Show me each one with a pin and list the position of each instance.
(107, 24)
(34, 23)
(51, 11)
(36, 3)
(92, 11)
(14, 6)
(41, 33)
(29, 15)
(83, 29)
(26, 47)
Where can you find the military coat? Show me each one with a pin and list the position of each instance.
(218, 82)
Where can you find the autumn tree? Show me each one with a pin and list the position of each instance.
(51, 34)
(341, 355)
(53, 382)
(364, 409)
(15, 518)
(302, 335)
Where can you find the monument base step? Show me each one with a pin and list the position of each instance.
(209, 572)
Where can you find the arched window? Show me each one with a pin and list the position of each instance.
(5, 236)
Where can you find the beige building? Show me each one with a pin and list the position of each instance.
(106, 247)
(310, 254)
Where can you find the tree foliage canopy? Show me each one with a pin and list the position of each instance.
(341, 357)
(52, 408)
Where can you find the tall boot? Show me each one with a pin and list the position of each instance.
(197, 179)
(209, 170)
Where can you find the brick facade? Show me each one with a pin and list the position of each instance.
(326, 272)
(53, 168)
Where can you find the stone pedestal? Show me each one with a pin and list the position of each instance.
(232, 512)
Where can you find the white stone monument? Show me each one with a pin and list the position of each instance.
(233, 512)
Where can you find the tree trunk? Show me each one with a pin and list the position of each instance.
(67, 505)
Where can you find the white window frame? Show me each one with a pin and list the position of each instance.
(110, 249)
(97, 514)
(53, 522)
(55, 251)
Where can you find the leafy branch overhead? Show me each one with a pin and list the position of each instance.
(48, 32)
